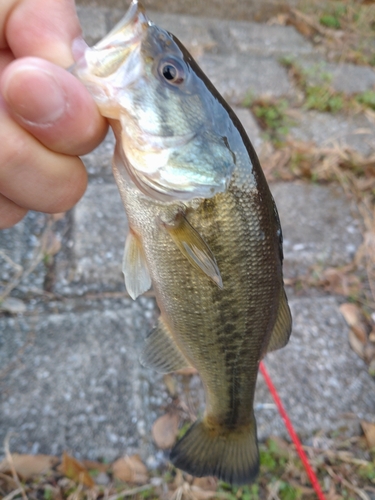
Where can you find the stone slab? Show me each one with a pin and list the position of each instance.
(321, 381)
(20, 251)
(194, 32)
(343, 77)
(320, 226)
(99, 228)
(247, 9)
(78, 386)
(326, 129)
(99, 161)
(93, 22)
(266, 40)
(251, 127)
(238, 76)
(201, 35)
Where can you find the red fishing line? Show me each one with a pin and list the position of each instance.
(288, 424)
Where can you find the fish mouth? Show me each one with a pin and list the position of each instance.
(128, 31)
(114, 63)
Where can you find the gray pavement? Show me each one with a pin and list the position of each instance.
(246, 9)
(69, 374)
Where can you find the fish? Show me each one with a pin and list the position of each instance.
(204, 232)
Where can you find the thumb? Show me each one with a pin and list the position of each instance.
(52, 105)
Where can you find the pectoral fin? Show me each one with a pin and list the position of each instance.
(160, 351)
(283, 326)
(195, 249)
(134, 267)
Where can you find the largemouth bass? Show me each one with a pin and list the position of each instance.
(204, 231)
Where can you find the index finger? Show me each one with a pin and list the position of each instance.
(40, 28)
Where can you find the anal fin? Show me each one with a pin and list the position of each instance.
(283, 326)
(134, 267)
(160, 351)
(195, 249)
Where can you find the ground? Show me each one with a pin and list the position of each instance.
(303, 85)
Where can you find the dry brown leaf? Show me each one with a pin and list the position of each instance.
(360, 332)
(207, 483)
(302, 26)
(356, 344)
(165, 430)
(75, 470)
(7, 483)
(27, 466)
(353, 317)
(369, 430)
(93, 465)
(171, 384)
(351, 313)
(199, 494)
(130, 470)
(340, 282)
(369, 352)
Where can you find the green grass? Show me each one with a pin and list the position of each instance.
(315, 83)
(330, 21)
(354, 18)
(272, 116)
(367, 99)
(323, 98)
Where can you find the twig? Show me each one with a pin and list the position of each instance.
(13, 494)
(343, 456)
(11, 465)
(359, 492)
(45, 247)
(16, 280)
(273, 491)
(129, 493)
(346, 483)
(76, 494)
(12, 364)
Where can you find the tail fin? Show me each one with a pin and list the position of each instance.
(231, 456)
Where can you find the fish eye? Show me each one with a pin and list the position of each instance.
(172, 71)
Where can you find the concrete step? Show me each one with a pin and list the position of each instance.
(320, 228)
(78, 385)
(247, 9)
(242, 59)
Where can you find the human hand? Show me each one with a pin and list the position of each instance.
(47, 117)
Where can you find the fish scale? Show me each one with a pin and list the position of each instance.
(204, 231)
(217, 308)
